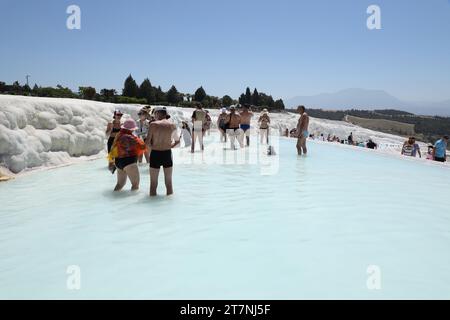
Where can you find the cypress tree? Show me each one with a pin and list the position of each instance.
(130, 87)
(160, 95)
(199, 94)
(255, 98)
(242, 99)
(248, 96)
(270, 103)
(279, 104)
(146, 91)
(26, 88)
(173, 96)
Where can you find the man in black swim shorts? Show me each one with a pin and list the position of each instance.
(161, 159)
(162, 137)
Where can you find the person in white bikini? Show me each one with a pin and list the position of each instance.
(264, 122)
(198, 120)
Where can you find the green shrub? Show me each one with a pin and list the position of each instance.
(131, 100)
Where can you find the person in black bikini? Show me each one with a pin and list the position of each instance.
(113, 128)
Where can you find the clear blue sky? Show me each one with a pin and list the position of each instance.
(282, 47)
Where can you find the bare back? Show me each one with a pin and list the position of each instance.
(303, 122)
(234, 120)
(160, 135)
(246, 117)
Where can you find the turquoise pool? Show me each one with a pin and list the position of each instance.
(310, 229)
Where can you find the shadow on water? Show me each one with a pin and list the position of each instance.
(141, 196)
(159, 199)
(120, 194)
(143, 168)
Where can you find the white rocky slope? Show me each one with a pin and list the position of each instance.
(36, 132)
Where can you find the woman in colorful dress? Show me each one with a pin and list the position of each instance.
(125, 152)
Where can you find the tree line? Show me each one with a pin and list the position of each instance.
(145, 93)
(260, 99)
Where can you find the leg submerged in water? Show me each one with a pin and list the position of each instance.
(301, 146)
(305, 151)
(240, 137)
(121, 180)
(132, 172)
(168, 180)
(154, 173)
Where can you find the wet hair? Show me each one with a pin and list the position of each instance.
(301, 108)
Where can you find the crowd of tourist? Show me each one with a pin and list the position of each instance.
(153, 135)
(410, 147)
(333, 138)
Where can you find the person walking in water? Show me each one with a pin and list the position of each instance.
(440, 149)
(264, 122)
(142, 131)
(221, 120)
(207, 126)
(350, 139)
(162, 137)
(186, 134)
(234, 132)
(198, 121)
(246, 117)
(302, 130)
(411, 148)
(125, 151)
(113, 128)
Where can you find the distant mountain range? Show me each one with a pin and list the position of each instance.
(368, 100)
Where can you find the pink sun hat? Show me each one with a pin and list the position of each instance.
(129, 124)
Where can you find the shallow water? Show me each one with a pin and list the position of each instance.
(306, 228)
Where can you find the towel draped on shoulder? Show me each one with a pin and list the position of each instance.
(126, 145)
